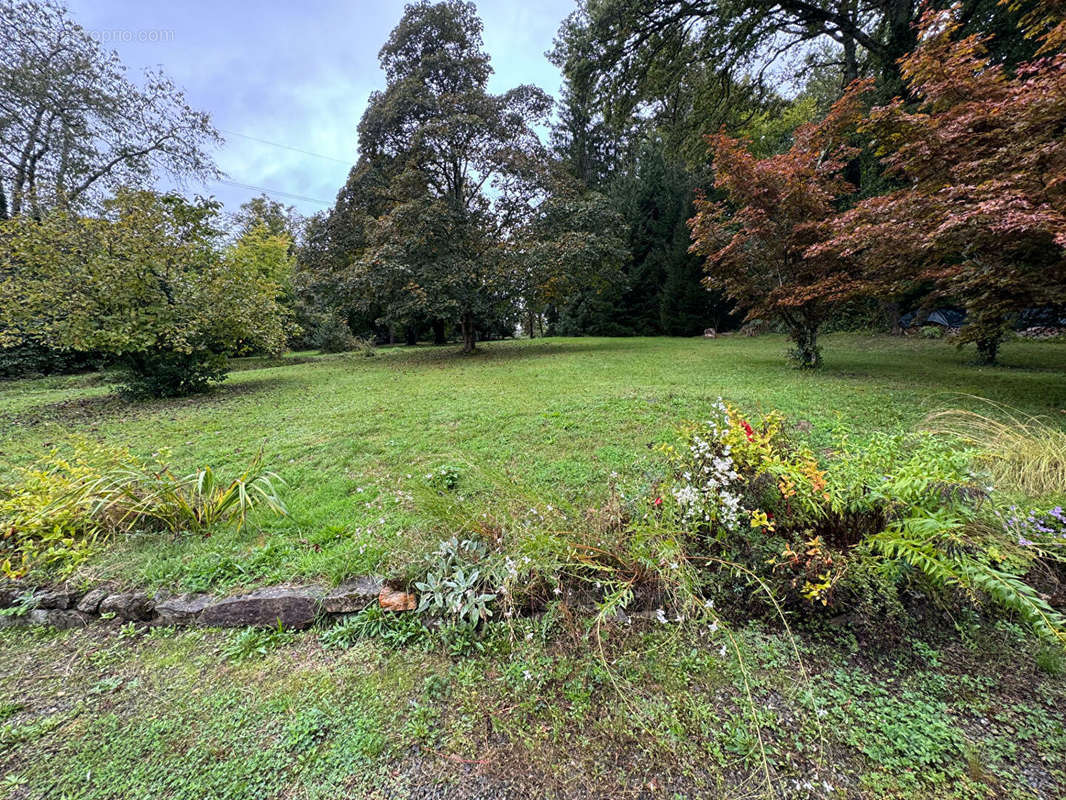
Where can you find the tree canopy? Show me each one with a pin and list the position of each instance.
(149, 282)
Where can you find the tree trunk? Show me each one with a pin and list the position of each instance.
(531, 321)
(411, 334)
(851, 60)
(468, 333)
(806, 354)
(988, 350)
(890, 309)
(438, 331)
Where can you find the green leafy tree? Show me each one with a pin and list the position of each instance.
(263, 211)
(572, 245)
(148, 283)
(432, 144)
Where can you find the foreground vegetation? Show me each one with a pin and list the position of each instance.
(528, 444)
(551, 708)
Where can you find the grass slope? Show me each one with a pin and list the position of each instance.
(547, 707)
(352, 435)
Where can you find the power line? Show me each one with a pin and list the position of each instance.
(286, 147)
(279, 192)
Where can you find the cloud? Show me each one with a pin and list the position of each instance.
(297, 74)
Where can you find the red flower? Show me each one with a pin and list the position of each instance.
(747, 429)
(658, 501)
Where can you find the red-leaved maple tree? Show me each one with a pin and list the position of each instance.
(775, 210)
(981, 160)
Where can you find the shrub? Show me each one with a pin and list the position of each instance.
(903, 507)
(32, 359)
(45, 519)
(331, 334)
(170, 373)
(931, 332)
(150, 282)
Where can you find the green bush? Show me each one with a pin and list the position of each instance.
(882, 512)
(32, 358)
(170, 373)
(151, 282)
(46, 521)
(331, 334)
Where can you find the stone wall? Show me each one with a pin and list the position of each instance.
(294, 607)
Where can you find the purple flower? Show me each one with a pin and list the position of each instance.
(1024, 542)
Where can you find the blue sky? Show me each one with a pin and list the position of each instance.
(297, 74)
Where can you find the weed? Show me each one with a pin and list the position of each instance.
(256, 642)
(1050, 660)
(396, 630)
(1021, 452)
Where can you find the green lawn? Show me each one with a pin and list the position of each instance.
(352, 436)
(548, 706)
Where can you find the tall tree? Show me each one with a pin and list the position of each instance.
(436, 140)
(265, 212)
(572, 245)
(73, 127)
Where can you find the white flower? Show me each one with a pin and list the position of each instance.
(660, 615)
(722, 652)
(527, 674)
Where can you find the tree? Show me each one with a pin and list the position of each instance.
(148, 283)
(572, 245)
(262, 211)
(73, 127)
(650, 51)
(757, 242)
(981, 165)
(431, 144)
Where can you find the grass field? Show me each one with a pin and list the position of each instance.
(551, 418)
(542, 707)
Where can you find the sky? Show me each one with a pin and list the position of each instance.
(296, 75)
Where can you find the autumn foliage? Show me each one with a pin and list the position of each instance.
(977, 154)
(773, 212)
(981, 161)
